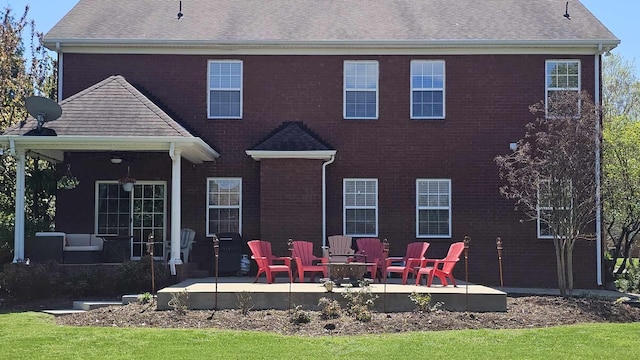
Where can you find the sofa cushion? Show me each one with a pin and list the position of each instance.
(83, 248)
(83, 242)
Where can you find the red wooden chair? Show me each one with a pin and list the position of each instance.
(264, 258)
(303, 255)
(371, 250)
(442, 268)
(411, 260)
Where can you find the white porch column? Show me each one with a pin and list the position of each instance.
(175, 207)
(18, 252)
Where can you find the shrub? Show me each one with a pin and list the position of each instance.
(299, 316)
(29, 282)
(423, 302)
(244, 302)
(135, 276)
(360, 302)
(629, 281)
(145, 298)
(329, 308)
(179, 302)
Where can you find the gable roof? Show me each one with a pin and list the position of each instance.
(292, 140)
(292, 136)
(112, 107)
(110, 115)
(209, 23)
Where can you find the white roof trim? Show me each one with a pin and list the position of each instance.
(193, 149)
(311, 154)
(453, 47)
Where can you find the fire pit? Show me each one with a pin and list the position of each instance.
(351, 273)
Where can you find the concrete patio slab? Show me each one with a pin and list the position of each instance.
(392, 297)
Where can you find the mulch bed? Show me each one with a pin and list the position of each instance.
(523, 312)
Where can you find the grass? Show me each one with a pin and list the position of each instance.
(36, 336)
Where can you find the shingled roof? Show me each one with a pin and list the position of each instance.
(292, 136)
(348, 22)
(292, 140)
(112, 107)
(108, 116)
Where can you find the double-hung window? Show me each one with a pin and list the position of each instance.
(427, 89)
(360, 89)
(555, 207)
(561, 76)
(360, 207)
(225, 89)
(224, 205)
(433, 208)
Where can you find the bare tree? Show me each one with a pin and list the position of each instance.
(551, 175)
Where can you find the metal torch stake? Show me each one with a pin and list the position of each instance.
(499, 247)
(216, 253)
(385, 251)
(150, 244)
(466, 240)
(290, 248)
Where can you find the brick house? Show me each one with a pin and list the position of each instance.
(303, 119)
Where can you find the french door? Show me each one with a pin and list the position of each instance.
(135, 214)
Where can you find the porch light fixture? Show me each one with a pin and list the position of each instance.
(115, 159)
(127, 182)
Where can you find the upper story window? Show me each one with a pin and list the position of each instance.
(224, 205)
(433, 208)
(360, 207)
(225, 89)
(427, 89)
(360, 89)
(561, 75)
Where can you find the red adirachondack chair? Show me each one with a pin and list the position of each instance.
(303, 255)
(441, 268)
(264, 258)
(371, 250)
(410, 262)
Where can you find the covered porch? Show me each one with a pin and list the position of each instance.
(108, 134)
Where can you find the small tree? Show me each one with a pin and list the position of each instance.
(19, 79)
(551, 175)
(621, 186)
(620, 158)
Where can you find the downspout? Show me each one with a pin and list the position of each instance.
(60, 63)
(597, 91)
(174, 154)
(324, 199)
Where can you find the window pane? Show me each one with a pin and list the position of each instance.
(224, 202)
(433, 202)
(360, 201)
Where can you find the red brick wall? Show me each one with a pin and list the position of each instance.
(487, 100)
(290, 202)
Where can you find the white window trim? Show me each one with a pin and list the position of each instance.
(418, 208)
(209, 206)
(412, 89)
(345, 207)
(344, 90)
(241, 89)
(546, 79)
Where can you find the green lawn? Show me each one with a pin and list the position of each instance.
(35, 336)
